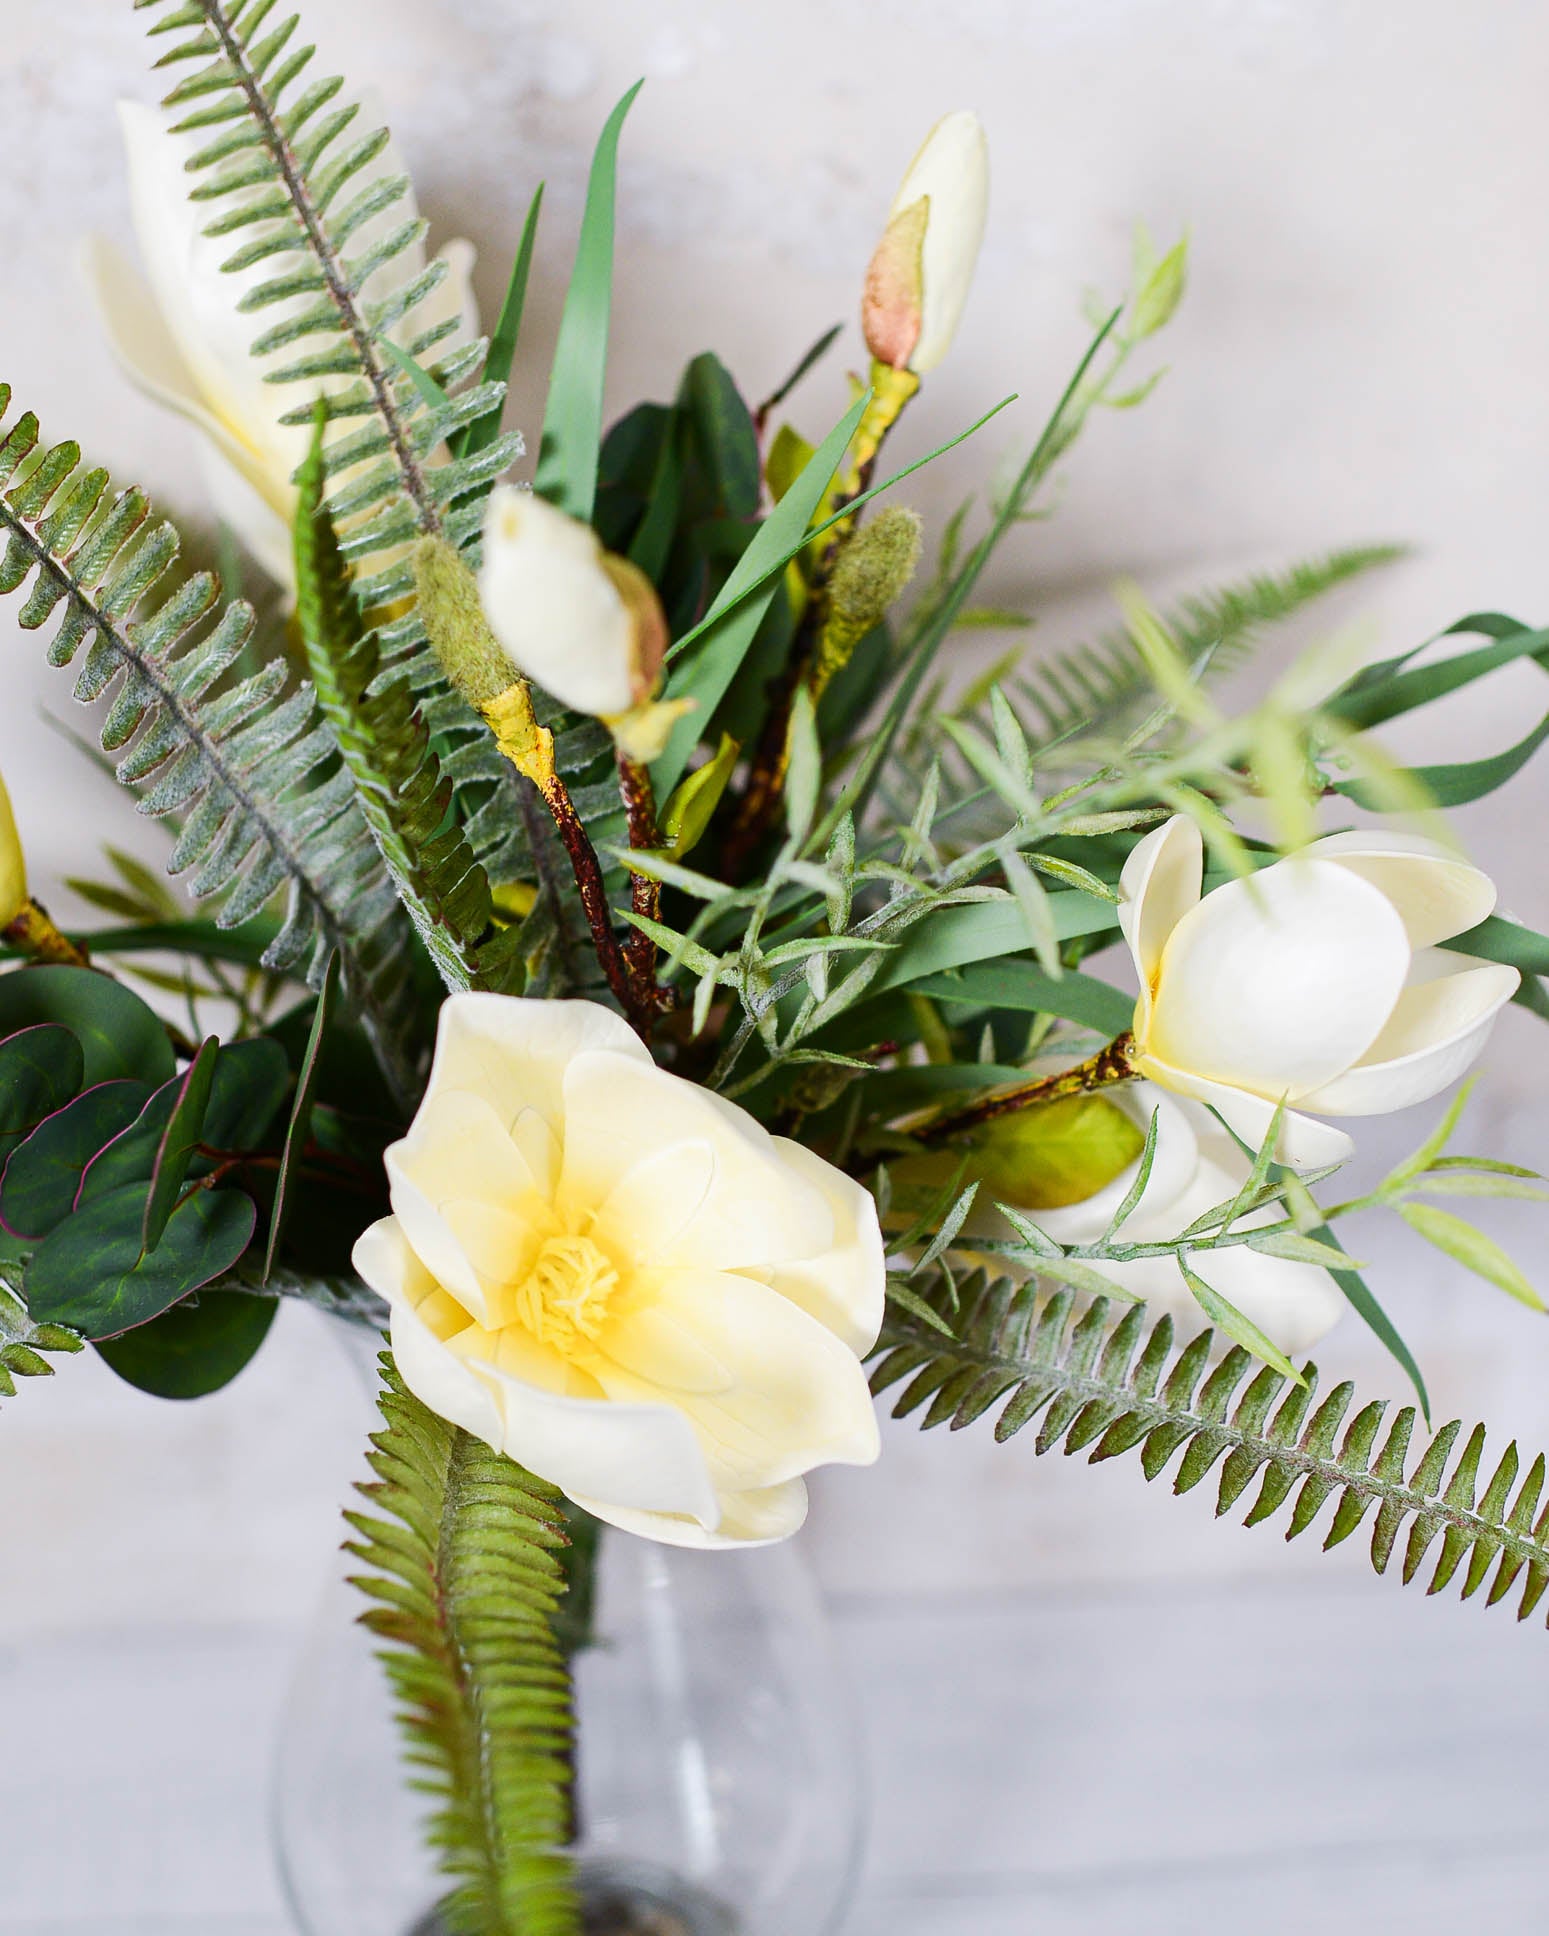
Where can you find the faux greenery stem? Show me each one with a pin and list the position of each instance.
(1108, 1066)
(645, 895)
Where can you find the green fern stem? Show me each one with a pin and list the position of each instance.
(1036, 1356)
(465, 1580)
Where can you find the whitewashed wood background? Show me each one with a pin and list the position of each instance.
(1276, 1738)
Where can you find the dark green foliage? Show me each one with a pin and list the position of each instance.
(246, 769)
(40, 1070)
(195, 1348)
(1093, 1381)
(465, 1577)
(285, 171)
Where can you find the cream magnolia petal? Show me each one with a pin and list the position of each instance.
(453, 301)
(553, 608)
(645, 1456)
(1173, 1166)
(759, 1518)
(437, 1378)
(1435, 1033)
(952, 173)
(514, 1052)
(845, 1285)
(239, 503)
(459, 1158)
(1278, 983)
(753, 1212)
(1436, 894)
(771, 1391)
(1159, 885)
(1305, 1143)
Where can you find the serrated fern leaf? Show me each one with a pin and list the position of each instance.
(1095, 1382)
(462, 1547)
(297, 180)
(403, 793)
(247, 769)
(23, 1343)
(1091, 689)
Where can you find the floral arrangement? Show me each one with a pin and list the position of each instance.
(649, 987)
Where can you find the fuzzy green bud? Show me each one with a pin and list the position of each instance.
(872, 569)
(455, 624)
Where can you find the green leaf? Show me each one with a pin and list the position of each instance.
(1053, 1153)
(483, 431)
(721, 639)
(952, 937)
(430, 391)
(1496, 939)
(1297, 1249)
(1365, 701)
(1240, 1329)
(131, 1156)
(1160, 294)
(179, 1140)
(720, 429)
(572, 421)
(1012, 983)
(1364, 1302)
(93, 1273)
(804, 779)
(43, 1174)
(251, 1078)
(40, 1070)
(1472, 1249)
(301, 1114)
(195, 1348)
(689, 811)
(119, 1035)
(1456, 784)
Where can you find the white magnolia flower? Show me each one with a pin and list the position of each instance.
(1197, 1166)
(623, 1281)
(923, 267)
(1317, 981)
(13, 863)
(179, 337)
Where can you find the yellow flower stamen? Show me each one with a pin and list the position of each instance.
(564, 1298)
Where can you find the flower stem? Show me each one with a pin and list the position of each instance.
(34, 933)
(1108, 1066)
(645, 895)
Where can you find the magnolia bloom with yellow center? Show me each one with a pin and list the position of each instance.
(1195, 1167)
(623, 1281)
(180, 337)
(1316, 982)
(13, 863)
(919, 278)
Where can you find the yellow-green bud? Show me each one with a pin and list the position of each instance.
(1052, 1153)
(872, 569)
(455, 624)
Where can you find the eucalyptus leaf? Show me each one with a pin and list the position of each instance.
(195, 1348)
(179, 1140)
(119, 1035)
(43, 1174)
(40, 1070)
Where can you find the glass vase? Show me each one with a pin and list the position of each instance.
(718, 1785)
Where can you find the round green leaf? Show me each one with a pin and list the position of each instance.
(43, 1173)
(131, 1156)
(92, 1274)
(251, 1081)
(194, 1348)
(40, 1070)
(119, 1035)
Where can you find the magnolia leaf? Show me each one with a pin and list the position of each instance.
(43, 1175)
(93, 1273)
(195, 1348)
(1472, 1249)
(1052, 1154)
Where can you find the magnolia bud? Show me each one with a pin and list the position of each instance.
(586, 627)
(13, 864)
(919, 277)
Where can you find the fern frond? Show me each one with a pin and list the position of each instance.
(1113, 1387)
(292, 176)
(462, 1547)
(1091, 689)
(398, 778)
(22, 1343)
(247, 768)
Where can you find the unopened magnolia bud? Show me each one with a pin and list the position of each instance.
(1052, 1153)
(455, 624)
(13, 864)
(919, 277)
(586, 627)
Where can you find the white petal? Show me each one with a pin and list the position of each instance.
(458, 1158)
(760, 1518)
(433, 1373)
(952, 170)
(1305, 1143)
(552, 606)
(845, 1285)
(1435, 1032)
(754, 1209)
(1437, 894)
(770, 1390)
(238, 502)
(1173, 1169)
(1160, 883)
(1278, 983)
(514, 1053)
